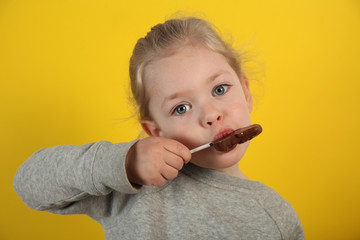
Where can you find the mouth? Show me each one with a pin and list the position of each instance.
(230, 148)
(223, 133)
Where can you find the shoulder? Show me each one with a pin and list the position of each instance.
(283, 214)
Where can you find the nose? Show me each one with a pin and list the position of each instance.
(210, 116)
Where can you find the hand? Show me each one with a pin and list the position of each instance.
(155, 160)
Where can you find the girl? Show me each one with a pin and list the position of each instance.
(190, 89)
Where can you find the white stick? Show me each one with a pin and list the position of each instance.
(200, 148)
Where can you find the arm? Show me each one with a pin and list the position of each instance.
(53, 178)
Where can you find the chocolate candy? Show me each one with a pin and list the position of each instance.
(239, 136)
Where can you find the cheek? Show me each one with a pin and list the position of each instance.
(237, 106)
(183, 132)
(237, 114)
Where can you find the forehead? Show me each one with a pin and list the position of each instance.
(189, 67)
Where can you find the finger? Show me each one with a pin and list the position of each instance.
(161, 181)
(174, 161)
(169, 172)
(178, 149)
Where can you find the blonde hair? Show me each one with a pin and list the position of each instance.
(163, 40)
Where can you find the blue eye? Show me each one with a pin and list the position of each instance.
(221, 89)
(181, 109)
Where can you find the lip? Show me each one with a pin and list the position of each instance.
(230, 149)
(223, 133)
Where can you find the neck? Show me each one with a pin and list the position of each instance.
(233, 171)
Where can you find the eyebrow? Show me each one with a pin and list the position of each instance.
(209, 80)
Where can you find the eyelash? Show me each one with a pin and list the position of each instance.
(225, 86)
(188, 106)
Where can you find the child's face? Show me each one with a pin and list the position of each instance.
(195, 97)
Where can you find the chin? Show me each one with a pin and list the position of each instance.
(217, 160)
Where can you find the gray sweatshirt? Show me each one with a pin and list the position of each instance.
(199, 204)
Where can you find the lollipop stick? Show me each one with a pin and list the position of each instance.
(200, 148)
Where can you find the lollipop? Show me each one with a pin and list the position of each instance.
(239, 136)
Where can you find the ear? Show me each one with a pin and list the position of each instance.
(246, 88)
(151, 128)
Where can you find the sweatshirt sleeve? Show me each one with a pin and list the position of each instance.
(283, 215)
(54, 178)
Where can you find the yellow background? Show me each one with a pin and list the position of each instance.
(63, 80)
